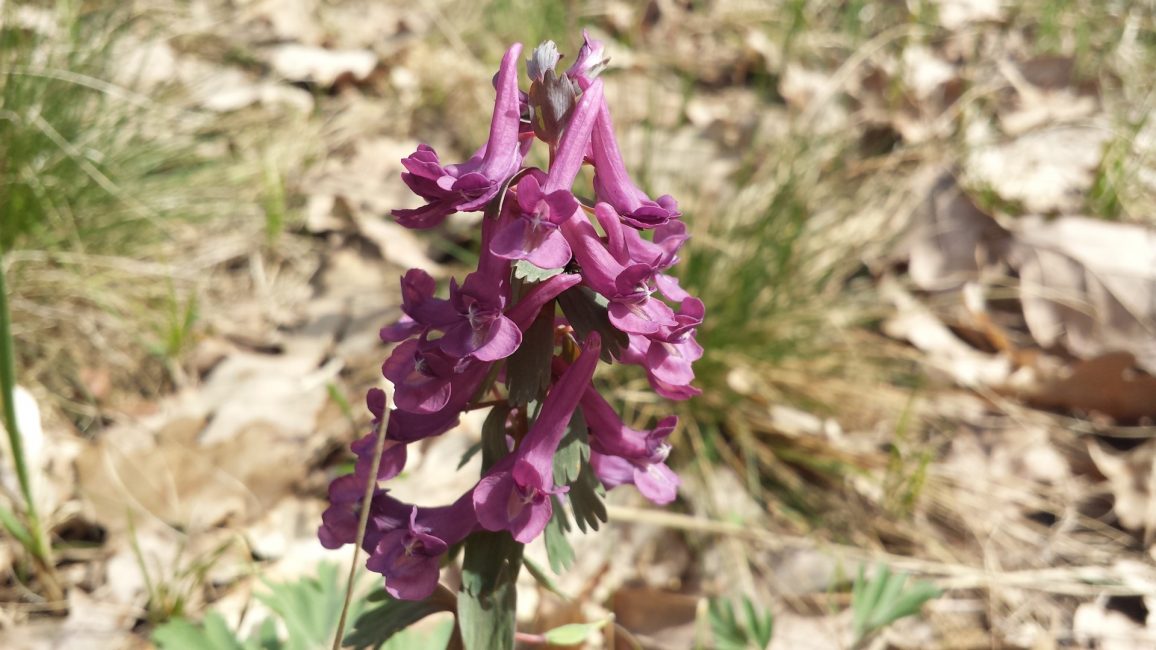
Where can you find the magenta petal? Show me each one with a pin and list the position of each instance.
(611, 470)
(572, 149)
(404, 328)
(408, 575)
(502, 152)
(528, 307)
(427, 216)
(670, 287)
(532, 520)
(638, 318)
(511, 241)
(668, 364)
(500, 342)
(657, 482)
(492, 499)
(672, 391)
(551, 253)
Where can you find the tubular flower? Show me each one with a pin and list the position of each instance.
(560, 285)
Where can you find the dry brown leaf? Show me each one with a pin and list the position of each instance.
(1046, 171)
(952, 240)
(917, 324)
(1107, 385)
(1089, 285)
(659, 619)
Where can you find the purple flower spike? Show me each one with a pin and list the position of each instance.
(449, 353)
(612, 183)
(409, 557)
(515, 496)
(470, 185)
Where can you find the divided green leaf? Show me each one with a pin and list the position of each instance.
(573, 450)
(377, 625)
(586, 494)
(528, 369)
(558, 549)
(581, 307)
(494, 436)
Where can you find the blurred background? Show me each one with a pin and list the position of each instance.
(924, 232)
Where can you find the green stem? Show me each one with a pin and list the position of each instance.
(41, 549)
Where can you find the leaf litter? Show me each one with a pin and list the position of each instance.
(1033, 320)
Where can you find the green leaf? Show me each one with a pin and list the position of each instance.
(586, 494)
(573, 633)
(731, 634)
(488, 597)
(470, 453)
(528, 369)
(886, 598)
(181, 634)
(558, 549)
(727, 633)
(759, 625)
(494, 436)
(543, 578)
(433, 636)
(573, 450)
(310, 607)
(585, 314)
(375, 626)
(524, 270)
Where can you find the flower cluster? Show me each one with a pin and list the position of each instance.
(484, 344)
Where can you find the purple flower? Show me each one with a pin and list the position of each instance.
(591, 60)
(470, 185)
(515, 495)
(533, 234)
(422, 311)
(409, 556)
(422, 375)
(652, 477)
(393, 455)
(612, 183)
(480, 330)
(340, 519)
(627, 288)
(620, 454)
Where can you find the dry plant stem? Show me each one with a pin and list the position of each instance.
(362, 522)
(41, 549)
(1083, 581)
